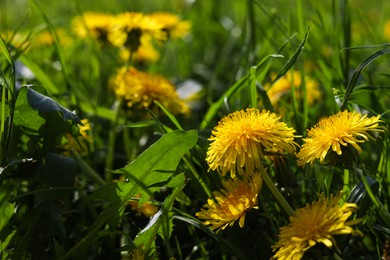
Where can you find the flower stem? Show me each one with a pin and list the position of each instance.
(275, 192)
(111, 142)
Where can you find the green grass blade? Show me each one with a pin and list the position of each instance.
(356, 74)
(5, 51)
(252, 88)
(50, 87)
(213, 110)
(58, 49)
(170, 115)
(293, 58)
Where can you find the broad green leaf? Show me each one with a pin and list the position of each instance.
(161, 222)
(159, 162)
(150, 170)
(24, 115)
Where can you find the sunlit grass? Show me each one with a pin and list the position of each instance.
(107, 116)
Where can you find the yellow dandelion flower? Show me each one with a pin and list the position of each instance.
(231, 203)
(172, 24)
(242, 138)
(337, 131)
(147, 209)
(283, 86)
(130, 29)
(80, 143)
(315, 223)
(139, 90)
(95, 25)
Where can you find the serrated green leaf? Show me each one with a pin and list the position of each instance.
(158, 163)
(154, 166)
(161, 222)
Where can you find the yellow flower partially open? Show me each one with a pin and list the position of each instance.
(232, 203)
(316, 223)
(337, 131)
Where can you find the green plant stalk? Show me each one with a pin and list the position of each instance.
(91, 172)
(111, 142)
(252, 88)
(2, 122)
(275, 192)
(346, 185)
(300, 16)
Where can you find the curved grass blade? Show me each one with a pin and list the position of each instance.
(356, 75)
(291, 61)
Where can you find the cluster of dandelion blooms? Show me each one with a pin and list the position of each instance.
(231, 203)
(313, 224)
(338, 131)
(242, 139)
(130, 30)
(140, 90)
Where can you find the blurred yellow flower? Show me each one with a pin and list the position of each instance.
(337, 131)
(80, 143)
(283, 87)
(146, 52)
(386, 31)
(242, 138)
(130, 30)
(172, 24)
(45, 38)
(95, 25)
(16, 39)
(315, 223)
(139, 90)
(231, 203)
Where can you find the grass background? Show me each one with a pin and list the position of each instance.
(227, 38)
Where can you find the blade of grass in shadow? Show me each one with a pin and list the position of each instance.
(196, 223)
(356, 74)
(169, 115)
(7, 96)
